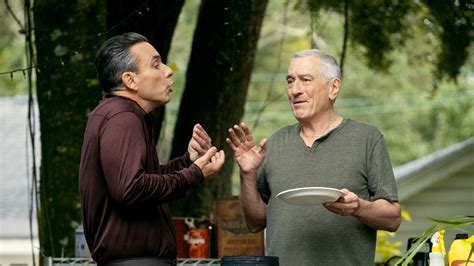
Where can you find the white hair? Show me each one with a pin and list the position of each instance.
(329, 67)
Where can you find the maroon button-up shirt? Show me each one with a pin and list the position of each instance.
(123, 188)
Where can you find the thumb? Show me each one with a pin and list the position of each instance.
(209, 153)
(206, 157)
(263, 142)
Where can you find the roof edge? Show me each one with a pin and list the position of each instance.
(421, 173)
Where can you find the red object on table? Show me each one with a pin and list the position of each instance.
(198, 240)
(181, 232)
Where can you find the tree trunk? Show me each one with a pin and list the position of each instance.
(155, 20)
(217, 79)
(66, 43)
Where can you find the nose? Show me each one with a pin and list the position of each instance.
(296, 88)
(168, 71)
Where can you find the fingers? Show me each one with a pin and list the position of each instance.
(201, 136)
(345, 205)
(231, 144)
(209, 153)
(214, 165)
(240, 134)
(248, 135)
(202, 144)
(337, 208)
(348, 196)
(215, 157)
(218, 160)
(200, 149)
(233, 137)
(203, 160)
(263, 144)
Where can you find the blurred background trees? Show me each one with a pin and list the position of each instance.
(408, 69)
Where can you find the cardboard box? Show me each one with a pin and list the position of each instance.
(233, 237)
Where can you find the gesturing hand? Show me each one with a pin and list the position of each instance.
(211, 162)
(199, 143)
(248, 155)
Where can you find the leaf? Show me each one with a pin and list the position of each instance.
(462, 220)
(406, 215)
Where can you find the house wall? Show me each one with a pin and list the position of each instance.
(450, 197)
(17, 252)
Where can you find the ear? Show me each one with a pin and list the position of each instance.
(128, 80)
(334, 86)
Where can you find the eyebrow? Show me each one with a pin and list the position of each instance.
(300, 75)
(155, 58)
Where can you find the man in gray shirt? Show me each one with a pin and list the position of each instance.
(322, 150)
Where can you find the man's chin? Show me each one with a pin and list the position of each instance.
(299, 116)
(159, 103)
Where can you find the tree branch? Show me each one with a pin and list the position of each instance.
(10, 10)
(346, 35)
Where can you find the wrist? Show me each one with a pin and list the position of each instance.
(249, 174)
(361, 204)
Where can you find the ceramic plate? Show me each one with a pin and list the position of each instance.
(309, 195)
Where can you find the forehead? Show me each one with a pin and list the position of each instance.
(144, 52)
(304, 65)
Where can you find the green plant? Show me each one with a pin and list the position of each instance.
(385, 249)
(439, 224)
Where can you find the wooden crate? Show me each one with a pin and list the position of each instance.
(233, 238)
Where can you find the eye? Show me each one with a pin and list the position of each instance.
(156, 65)
(289, 81)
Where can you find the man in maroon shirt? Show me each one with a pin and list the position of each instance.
(123, 188)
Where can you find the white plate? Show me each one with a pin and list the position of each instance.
(309, 195)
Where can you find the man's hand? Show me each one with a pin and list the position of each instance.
(248, 155)
(347, 204)
(211, 162)
(380, 214)
(199, 143)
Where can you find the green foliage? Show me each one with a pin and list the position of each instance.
(378, 27)
(66, 91)
(12, 52)
(372, 26)
(386, 249)
(455, 20)
(438, 224)
(416, 117)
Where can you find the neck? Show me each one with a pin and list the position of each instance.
(319, 127)
(146, 106)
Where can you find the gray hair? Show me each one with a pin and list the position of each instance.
(114, 58)
(329, 66)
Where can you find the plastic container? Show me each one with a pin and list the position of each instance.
(459, 251)
(436, 259)
(82, 250)
(250, 260)
(437, 249)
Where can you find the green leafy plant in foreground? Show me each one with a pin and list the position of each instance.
(439, 224)
(386, 249)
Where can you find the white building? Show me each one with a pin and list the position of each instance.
(17, 241)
